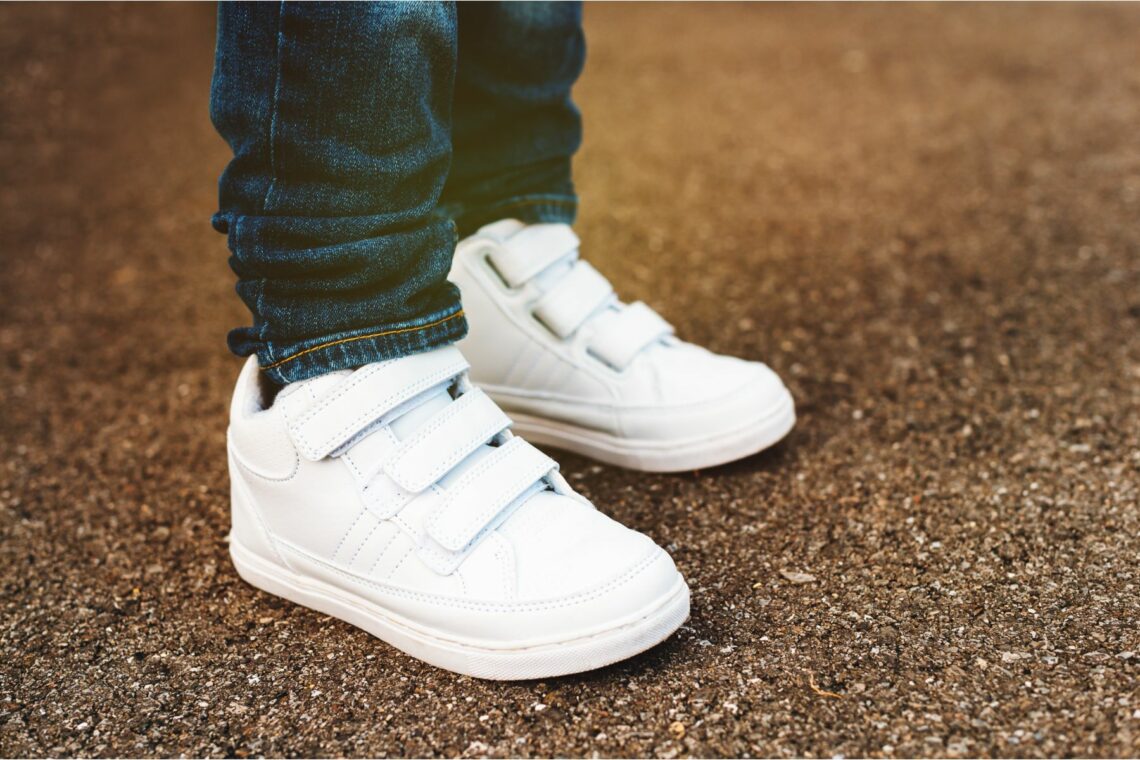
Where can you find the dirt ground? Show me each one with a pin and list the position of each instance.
(925, 218)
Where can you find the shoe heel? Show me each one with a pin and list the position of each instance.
(246, 526)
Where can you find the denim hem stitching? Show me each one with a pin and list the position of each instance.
(354, 338)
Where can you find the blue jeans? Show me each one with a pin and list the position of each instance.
(366, 139)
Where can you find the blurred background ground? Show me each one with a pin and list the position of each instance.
(925, 218)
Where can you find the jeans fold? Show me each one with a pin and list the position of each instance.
(363, 346)
(366, 138)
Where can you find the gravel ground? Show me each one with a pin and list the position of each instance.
(925, 218)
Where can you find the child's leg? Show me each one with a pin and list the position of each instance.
(339, 119)
(515, 128)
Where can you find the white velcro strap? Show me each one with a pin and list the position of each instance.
(485, 490)
(445, 440)
(579, 294)
(531, 250)
(627, 334)
(367, 395)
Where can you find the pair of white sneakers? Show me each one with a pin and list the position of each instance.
(396, 498)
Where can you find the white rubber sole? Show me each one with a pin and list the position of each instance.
(659, 456)
(639, 632)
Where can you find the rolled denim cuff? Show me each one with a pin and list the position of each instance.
(359, 347)
(531, 209)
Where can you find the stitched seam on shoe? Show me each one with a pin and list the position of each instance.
(419, 544)
(409, 390)
(462, 581)
(362, 376)
(555, 349)
(394, 499)
(347, 532)
(373, 471)
(484, 515)
(401, 562)
(502, 498)
(366, 538)
(459, 453)
(380, 334)
(347, 458)
(446, 464)
(380, 556)
(504, 554)
(440, 420)
(570, 601)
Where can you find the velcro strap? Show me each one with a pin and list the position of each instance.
(445, 440)
(480, 494)
(579, 294)
(627, 334)
(367, 395)
(531, 250)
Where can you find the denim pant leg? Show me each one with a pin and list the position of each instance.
(514, 126)
(339, 120)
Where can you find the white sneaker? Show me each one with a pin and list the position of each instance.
(577, 369)
(394, 497)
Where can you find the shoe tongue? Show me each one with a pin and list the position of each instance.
(412, 420)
